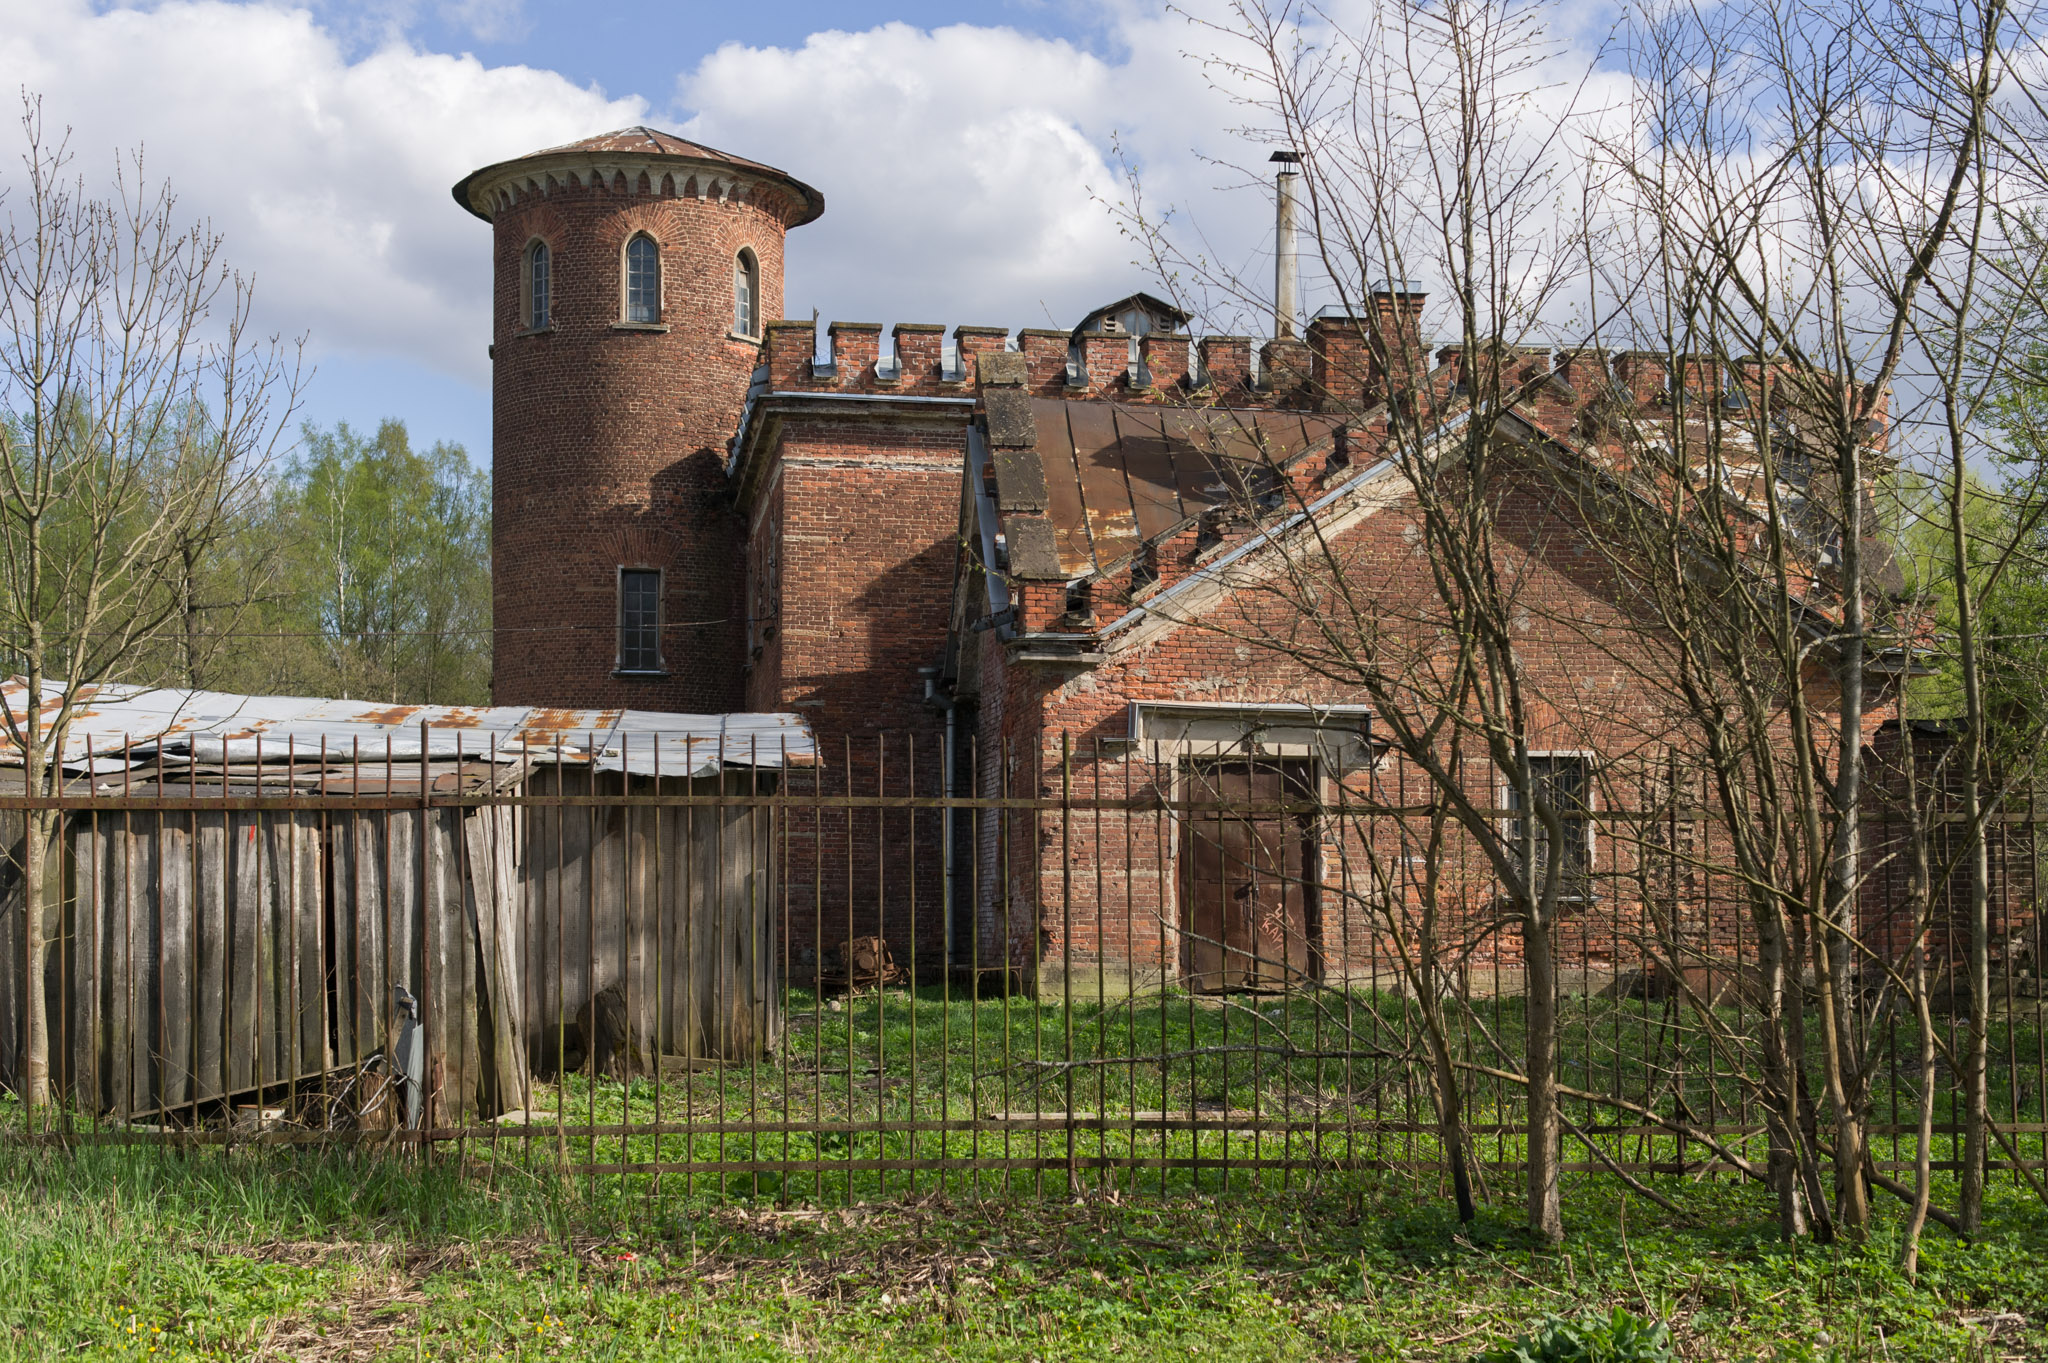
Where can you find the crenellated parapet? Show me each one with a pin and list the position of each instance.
(919, 359)
(1343, 364)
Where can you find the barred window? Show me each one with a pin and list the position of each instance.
(643, 280)
(1563, 782)
(640, 620)
(537, 282)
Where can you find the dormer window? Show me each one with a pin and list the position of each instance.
(746, 294)
(537, 286)
(643, 280)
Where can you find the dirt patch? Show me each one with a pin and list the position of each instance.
(379, 1307)
(901, 1252)
(384, 1297)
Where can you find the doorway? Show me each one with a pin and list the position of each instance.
(1248, 877)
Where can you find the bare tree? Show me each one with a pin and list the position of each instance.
(1976, 331)
(1802, 275)
(135, 406)
(1432, 142)
(1780, 223)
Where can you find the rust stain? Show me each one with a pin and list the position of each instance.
(460, 717)
(550, 722)
(390, 714)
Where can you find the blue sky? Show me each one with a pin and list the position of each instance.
(639, 47)
(965, 152)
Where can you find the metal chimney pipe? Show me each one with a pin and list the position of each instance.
(1286, 262)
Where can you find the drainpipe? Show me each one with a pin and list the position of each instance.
(1286, 261)
(933, 696)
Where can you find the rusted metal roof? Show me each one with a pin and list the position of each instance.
(116, 725)
(1118, 477)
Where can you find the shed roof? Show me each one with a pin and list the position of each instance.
(118, 725)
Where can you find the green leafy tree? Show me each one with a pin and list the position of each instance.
(384, 569)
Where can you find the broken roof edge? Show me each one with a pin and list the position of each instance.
(117, 725)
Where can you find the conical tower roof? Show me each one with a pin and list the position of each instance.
(636, 144)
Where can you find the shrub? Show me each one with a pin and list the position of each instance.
(1619, 1338)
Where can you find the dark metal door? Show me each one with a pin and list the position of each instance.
(1246, 883)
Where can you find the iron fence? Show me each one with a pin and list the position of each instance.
(908, 966)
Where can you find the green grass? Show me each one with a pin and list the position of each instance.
(872, 1063)
(113, 1253)
(493, 1250)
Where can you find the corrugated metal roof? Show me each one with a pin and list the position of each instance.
(1121, 476)
(158, 724)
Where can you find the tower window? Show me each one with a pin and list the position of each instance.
(640, 620)
(746, 294)
(643, 280)
(537, 282)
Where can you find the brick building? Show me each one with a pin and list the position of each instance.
(997, 564)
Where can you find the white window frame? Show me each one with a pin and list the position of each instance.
(531, 317)
(626, 281)
(746, 265)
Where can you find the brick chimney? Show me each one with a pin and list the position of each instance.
(1399, 358)
(1341, 362)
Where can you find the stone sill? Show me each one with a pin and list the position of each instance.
(640, 326)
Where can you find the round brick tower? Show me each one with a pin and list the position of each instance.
(632, 274)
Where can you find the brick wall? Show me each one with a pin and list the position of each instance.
(1106, 888)
(853, 508)
(609, 442)
(1892, 891)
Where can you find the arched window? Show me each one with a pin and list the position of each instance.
(537, 286)
(643, 280)
(746, 295)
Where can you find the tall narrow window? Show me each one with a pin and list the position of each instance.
(1562, 782)
(746, 294)
(643, 281)
(639, 620)
(537, 286)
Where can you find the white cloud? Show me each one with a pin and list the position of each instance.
(329, 177)
(488, 21)
(961, 168)
(959, 165)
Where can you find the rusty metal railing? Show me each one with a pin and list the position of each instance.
(897, 967)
